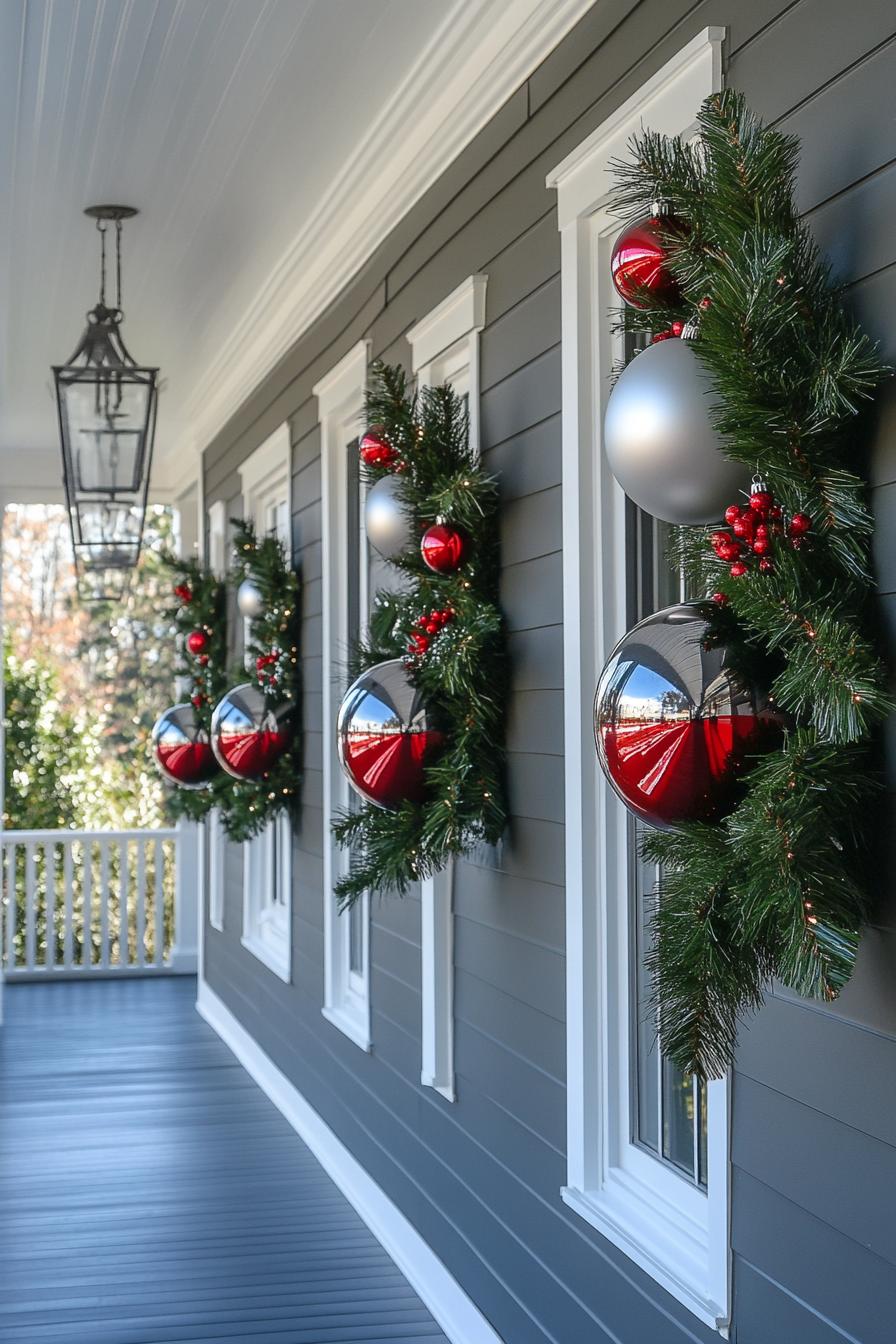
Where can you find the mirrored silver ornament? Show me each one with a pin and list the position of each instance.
(249, 735)
(249, 600)
(660, 442)
(677, 721)
(386, 735)
(386, 519)
(181, 748)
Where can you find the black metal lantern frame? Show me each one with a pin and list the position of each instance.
(107, 406)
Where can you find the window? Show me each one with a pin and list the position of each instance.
(267, 859)
(214, 838)
(445, 349)
(647, 1150)
(345, 585)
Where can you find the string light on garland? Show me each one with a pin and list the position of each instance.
(442, 633)
(778, 888)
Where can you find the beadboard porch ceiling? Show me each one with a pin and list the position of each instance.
(250, 133)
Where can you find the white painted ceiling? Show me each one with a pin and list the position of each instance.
(224, 121)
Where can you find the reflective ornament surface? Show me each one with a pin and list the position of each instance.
(376, 450)
(443, 548)
(249, 599)
(659, 441)
(675, 723)
(181, 748)
(197, 642)
(387, 523)
(386, 736)
(248, 736)
(639, 262)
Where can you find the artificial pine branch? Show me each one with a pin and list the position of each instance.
(775, 889)
(462, 674)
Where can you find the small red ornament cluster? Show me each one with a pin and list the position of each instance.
(266, 667)
(428, 627)
(756, 529)
(184, 592)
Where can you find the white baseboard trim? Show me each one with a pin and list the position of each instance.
(452, 1309)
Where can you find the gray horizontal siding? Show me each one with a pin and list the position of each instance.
(481, 1178)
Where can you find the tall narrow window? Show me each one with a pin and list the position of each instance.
(647, 1147)
(267, 859)
(346, 563)
(445, 349)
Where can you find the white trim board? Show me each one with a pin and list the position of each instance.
(453, 1310)
(476, 60)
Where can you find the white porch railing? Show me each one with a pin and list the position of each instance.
(98, 903)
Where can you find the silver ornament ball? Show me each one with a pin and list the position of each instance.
(181, 748)
(659, 440)
(678, 719)
(249, 735)
(249, 599)
(386, 519)
(386, 735)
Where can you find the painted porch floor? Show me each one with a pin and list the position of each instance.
(150, 1193)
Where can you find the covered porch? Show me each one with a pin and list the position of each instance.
(153, 1194)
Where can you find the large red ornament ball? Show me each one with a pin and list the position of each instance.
(197, 642)
(386, 736)
(639, 261)
(376, 450)
(181, 748)
(248, 735)
(676, 723)
(443, 548)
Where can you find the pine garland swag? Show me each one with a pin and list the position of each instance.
(462, 672)
(272, 654)
(198, 604)
(776, 890)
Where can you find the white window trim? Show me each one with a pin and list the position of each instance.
(214, 839)
(445, 349)
(675, 1232)
(340, 395)
(217, 538)
(267, 933)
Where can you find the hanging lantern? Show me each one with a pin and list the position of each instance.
(386, 736)
(249, 735)
(107, 413)
(181, 748)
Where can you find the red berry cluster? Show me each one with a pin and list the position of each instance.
(756, 528)
(675, 330)
(184, 592)
(263, 663)
(427, 628)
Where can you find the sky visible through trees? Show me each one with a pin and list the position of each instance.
(84, 682)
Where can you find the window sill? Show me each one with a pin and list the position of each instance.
(275, 959)
(674, 1253)
(351, 1025)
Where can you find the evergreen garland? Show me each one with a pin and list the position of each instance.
(462, 674)
(272, 654)
(775, 890)
(198, 603)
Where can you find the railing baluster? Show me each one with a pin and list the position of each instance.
(9, 888)
(140, 912)
(29, 906)
(68, 898)
(50, 901)
(104, 904)
(159, 904)
(124, 881)
(87, 905)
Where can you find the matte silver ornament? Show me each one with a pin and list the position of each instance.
(249, 599)
(181, 748)
(248, 734)
(677, 722)
(386, 519)
(659, 440)
(386, 735)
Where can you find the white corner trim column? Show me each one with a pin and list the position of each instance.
(673, 1230)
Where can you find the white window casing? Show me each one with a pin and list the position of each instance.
(217, 538)
(340, 395)
(674, 1230)
(265, 480)
(215, 838)
(445, 349)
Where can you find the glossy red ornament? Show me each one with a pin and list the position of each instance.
(376, 450)
(676, 723)
(639, 262)
(181, 748)
(386, 736)
(197, 642)
(800, 524)
(732, 513)
(761, 501)
(249, 735)
(443, 548)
